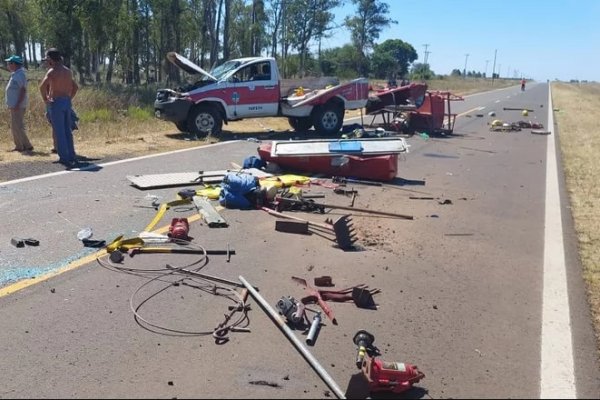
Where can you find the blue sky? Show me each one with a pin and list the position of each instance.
(550, 39)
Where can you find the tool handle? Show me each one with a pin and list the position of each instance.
(328, 311)
(310, 223)
(366, 210)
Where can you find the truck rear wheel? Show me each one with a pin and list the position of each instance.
(204, 120)
(328, 119)
(300, 124)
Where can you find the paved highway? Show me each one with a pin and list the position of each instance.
(483, 293)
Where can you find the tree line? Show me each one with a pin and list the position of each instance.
(106, 41)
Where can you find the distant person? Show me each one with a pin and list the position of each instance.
(392, 82)
(523, 84)
(58, 88)
(16, 101)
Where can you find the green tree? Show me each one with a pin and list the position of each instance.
(392, 58)
(421, 72)
(315, 19)
(366, 25)
(340, 61)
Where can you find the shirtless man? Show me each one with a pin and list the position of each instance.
(58, 88)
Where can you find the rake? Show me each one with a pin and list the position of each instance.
(342, 228)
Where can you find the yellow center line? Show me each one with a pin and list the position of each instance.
(15, 287)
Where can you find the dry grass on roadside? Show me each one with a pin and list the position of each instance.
(578, 107)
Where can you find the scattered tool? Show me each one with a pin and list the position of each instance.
(359, 294)
(297, 343)
(352, 193)
(342, 181)
(95, 243)
(291, 226)
(282, 202)
(342, 228)
(517, 109)
(315, 297)
(137, 245)
(293, 310)
(179, 228)
(206, 276)
(18, 242)
(345, 192)
(209, 213)
(382, 376)
(325, 280)
(174, 250)
(311, 338)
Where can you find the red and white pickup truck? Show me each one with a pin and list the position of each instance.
(251, 88)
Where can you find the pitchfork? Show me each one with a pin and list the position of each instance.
(361, 296)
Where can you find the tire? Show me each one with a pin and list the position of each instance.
(328, 119)
(204, 120)
(182, 126)
(300, 124)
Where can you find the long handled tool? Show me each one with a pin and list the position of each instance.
(307, 204)
(342, 228)
(295, 341)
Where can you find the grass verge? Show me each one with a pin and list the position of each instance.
(576, 113)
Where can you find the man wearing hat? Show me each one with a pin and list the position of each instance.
(58, 89)
(16, 101)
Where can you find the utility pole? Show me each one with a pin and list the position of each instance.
(486, 64)
(494, 67)
(499, 70)
(465, 70)
(426, 53)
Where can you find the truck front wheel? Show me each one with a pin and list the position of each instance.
(328, 119)
(182, 126)
(205, 120)
(300, 124)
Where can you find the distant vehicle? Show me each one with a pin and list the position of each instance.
(250, 88)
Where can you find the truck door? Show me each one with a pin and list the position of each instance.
(256, 91)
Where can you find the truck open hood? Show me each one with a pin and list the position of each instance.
(186, 65)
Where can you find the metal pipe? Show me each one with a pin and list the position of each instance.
(205, 276)
(295, 341)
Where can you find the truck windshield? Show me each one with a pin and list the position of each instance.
(222, 70)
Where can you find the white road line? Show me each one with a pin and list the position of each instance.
(94, 166)
(557, 378)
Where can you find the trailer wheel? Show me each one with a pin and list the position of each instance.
(204, 120)
(328, 119)
(300, 124)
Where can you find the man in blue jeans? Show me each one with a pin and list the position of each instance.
(58, 88)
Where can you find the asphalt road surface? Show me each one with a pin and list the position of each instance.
(482, 290)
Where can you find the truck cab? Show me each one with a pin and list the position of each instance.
(250, 87)
(237, 89)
